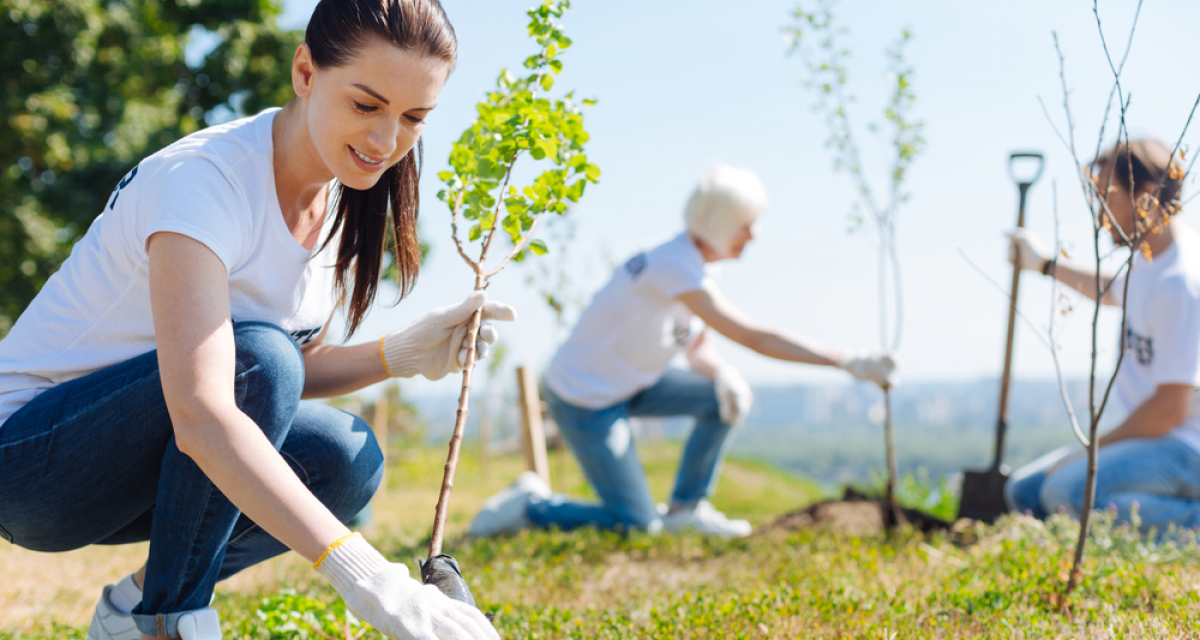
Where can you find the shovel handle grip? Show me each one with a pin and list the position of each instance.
(1018, 155)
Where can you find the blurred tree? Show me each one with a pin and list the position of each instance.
(88, 88)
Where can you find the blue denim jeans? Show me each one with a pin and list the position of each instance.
(1160, 475)
(603, 444)
(94, 461)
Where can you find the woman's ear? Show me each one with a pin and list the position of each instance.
(303, 69)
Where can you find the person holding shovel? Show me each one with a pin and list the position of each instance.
(1151, 460)
(153, 389)
(616, 365)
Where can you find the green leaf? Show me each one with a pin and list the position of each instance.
(516, 206)
(592, 172)
(538, 247)
(547, 82)
(590, 100)
(445, 176)
(476, 233)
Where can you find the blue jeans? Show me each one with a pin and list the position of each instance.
(94, 461)
(603, 443)
(1160, 475)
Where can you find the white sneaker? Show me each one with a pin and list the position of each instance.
(110, 624)
(505, 511)
(706, 519)
(201, 624)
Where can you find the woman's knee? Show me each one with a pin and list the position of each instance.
(1063, 490)
(1023, 494)
(270, 372)
(338, 456)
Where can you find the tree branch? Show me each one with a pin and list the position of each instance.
(487, 244)
(518, 247)
(454, 231)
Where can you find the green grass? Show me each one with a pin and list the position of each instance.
(776, 584)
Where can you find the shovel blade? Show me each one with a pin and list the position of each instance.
(983, 495)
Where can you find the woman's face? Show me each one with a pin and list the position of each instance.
(1119, 204)
(744, 235)
(364, 116)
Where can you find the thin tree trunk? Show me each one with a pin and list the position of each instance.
(460, 423)
(893, 516)
(1089, 498)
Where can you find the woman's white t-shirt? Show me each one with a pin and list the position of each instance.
(216, 186)
(635, 325)
(1162, 331)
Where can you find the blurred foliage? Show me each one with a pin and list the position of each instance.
(88, 88)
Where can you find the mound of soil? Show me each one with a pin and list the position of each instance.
(855, 514)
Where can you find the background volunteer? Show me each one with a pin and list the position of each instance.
(616, 365)
(1152, 458)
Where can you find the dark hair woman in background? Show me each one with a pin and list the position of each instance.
(1151, 460)
(153, 389)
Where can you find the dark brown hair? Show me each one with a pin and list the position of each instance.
(1143, 165)
(337, 29)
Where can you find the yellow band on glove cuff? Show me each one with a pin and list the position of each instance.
(383, 357)
(336, 543)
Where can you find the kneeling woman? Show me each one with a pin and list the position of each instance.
(153, 389)
(616, 365)
(1151, 460)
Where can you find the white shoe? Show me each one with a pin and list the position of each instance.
(110, 624)
(706, 519)
(201, 624)
(505, 511)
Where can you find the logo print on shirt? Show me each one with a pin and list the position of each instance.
(1141, 346)
(124, 183)
(682, 331)
(305, 336)
(636, 265)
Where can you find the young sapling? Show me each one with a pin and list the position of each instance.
(513, 121)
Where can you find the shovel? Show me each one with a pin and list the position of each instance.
(983, 491)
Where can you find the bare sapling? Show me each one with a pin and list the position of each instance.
(1153, 210)
(815, 39)
(513, 121)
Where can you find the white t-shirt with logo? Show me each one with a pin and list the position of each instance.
(626, 338)
(216, 186)
(1163, 327)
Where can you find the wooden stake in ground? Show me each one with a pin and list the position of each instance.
(512, 122)
(533, 435)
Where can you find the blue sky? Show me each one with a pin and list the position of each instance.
(683, 85)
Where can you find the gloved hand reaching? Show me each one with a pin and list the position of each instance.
(733, 396)
(879, 368)
(383, 594)
(1026, 252)
(436, 343)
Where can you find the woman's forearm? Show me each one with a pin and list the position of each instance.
(1156, 417)
(234, 454)
(792, 349)
(331, 370)
(1081, 279)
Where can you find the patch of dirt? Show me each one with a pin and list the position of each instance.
(855, 514)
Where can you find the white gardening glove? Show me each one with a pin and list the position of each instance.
(733, 396)
(1026, 251)
(383, 594)
(876, 367)
(436, 343)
